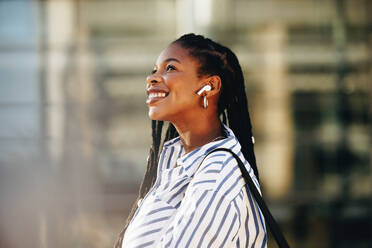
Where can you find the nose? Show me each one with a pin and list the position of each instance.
(153, 78)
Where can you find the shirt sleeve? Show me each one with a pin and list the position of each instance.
(205, 218)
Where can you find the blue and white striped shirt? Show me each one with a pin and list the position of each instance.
(198, 205)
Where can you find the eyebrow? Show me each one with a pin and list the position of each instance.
(170, 59)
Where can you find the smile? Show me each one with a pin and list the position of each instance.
(159, 94)
(154, 97)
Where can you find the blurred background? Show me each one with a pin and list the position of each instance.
(74, 131)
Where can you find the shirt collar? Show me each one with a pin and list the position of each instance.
(194, 157)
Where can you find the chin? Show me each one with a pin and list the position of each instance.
(155, 115)
(159, 115)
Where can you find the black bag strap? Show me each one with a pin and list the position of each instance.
(270, 221)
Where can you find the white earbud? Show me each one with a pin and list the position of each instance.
(205, 88)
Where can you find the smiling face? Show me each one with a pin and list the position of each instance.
(172, 86)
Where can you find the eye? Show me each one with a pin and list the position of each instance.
(153, 71)
(170, 68)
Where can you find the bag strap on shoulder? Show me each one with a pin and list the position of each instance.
(270, 221)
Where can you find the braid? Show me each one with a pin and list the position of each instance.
(214, 59)
(151, 171)
(148, 179)
(239, 115)
(153, 159)
(171, 132)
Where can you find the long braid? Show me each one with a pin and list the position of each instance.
(239, 114)
(151, 171)
(171, 132)
(214, 59)
(152, 163)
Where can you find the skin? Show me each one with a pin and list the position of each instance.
(175, 72)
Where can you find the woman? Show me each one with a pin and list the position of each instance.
(187, 200)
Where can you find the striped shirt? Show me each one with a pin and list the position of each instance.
(198, 205)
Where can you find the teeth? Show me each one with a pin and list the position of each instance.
(157, 94)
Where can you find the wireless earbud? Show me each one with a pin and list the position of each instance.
(205, 88)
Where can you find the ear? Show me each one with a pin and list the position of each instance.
(215, 83)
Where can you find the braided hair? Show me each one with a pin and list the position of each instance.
(213, 59)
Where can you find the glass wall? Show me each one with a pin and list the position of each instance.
(74, 131)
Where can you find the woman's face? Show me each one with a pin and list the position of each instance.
(172, 86)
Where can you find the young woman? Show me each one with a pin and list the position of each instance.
(187, 200)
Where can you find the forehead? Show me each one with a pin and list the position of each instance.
(177, 52)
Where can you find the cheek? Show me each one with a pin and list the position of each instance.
(182, 99)
(183, 90)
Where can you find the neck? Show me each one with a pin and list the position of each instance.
(194, 135)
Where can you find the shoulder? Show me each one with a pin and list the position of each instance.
(219, 172)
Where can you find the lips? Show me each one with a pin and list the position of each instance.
(155, 95)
